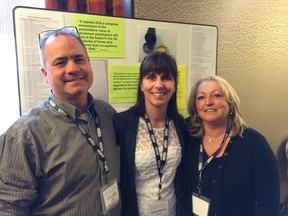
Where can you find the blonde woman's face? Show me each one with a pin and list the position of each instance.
(211, 104)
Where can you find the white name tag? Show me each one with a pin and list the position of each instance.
(159, 208)
(200, 205)
(109, 196)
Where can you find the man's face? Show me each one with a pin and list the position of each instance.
(67, 68)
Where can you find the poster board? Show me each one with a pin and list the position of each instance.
(116, 47)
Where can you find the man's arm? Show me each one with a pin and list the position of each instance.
(17, 181)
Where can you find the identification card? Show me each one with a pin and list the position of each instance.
(200, 205)
(109, 196)
(159, 208)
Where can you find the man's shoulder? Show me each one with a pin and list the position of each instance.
(102, 104)
(37, 112)
(29, 121)
(102, 108)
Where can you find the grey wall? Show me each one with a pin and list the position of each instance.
(252, 56)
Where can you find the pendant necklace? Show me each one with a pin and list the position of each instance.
(211, 139)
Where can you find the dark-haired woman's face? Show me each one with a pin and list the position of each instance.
(157, 90)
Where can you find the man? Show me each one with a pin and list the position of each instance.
(61, 158)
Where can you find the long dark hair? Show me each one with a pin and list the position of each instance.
(157, 63)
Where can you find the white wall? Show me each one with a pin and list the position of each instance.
(9, 106)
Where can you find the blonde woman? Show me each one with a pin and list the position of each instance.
(232, 168)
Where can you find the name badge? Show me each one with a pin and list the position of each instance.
(200, 205)
(159, 208)
(109, 196)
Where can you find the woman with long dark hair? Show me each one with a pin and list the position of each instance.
(151, 139)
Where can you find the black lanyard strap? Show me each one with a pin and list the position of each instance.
(201, 165)
(160, 161)
(97, 148)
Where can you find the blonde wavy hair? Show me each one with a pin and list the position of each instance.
(195, 124)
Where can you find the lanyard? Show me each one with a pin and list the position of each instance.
(159, 161)
(97, 148)
(202, 166)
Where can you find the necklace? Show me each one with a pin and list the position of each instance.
(211, 139)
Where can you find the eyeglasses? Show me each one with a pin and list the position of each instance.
(68, 30)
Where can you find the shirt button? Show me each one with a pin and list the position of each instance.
(220, 167)
(213, 181)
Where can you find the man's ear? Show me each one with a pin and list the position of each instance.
(45, 74)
